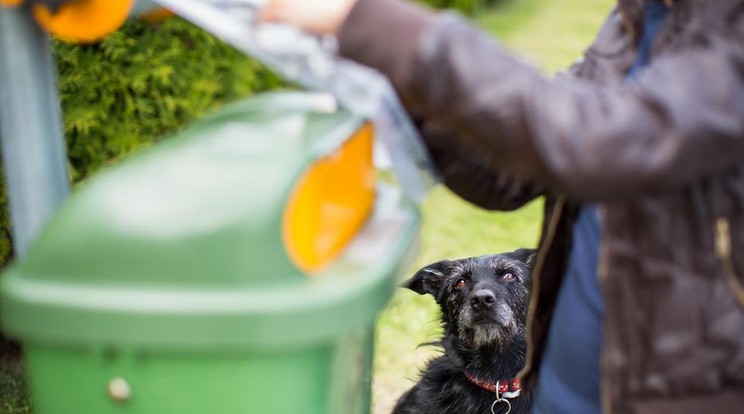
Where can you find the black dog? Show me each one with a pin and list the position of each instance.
(484, 304)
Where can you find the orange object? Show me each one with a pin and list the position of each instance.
(10, 3)
(330, 203)
(157, 15)
(84, 21)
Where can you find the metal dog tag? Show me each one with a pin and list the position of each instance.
(502, 400)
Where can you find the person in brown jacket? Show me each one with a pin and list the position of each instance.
(638, 297)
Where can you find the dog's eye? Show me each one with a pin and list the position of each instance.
(508, 276)
(460, 284)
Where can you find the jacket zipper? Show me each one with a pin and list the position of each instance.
(723, 246)
(539, 263)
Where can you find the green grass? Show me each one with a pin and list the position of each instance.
(552, 34)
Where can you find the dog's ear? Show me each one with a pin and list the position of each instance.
(527, 256)
(429, 278)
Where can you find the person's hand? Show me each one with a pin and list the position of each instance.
(320, 17)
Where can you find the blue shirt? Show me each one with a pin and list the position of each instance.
(569, 375)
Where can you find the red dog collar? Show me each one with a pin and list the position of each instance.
(510, 388)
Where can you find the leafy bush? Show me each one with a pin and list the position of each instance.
(138, 84)
(142, 82)
(467, 7)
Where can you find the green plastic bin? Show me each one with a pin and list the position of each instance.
(163, 286)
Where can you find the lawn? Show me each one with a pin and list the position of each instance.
(551, 34)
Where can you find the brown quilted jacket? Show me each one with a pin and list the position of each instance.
(663, 156)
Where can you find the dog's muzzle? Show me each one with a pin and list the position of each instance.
(487, 309)
(485, 320)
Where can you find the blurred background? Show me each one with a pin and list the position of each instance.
(119, 96)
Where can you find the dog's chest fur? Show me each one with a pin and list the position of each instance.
(445, 389)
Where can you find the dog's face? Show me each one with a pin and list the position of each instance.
(483, 299)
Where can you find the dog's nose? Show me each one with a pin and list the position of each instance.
(483, 298)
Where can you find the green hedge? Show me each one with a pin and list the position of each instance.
(138, 84)
(468, 7)
(142, 82)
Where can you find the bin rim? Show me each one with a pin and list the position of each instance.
(207, 317)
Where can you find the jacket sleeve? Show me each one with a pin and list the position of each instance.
(465, 171)
(681, 119)
(469, 174)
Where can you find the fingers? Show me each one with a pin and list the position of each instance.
(315, 16)
(271, 12)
